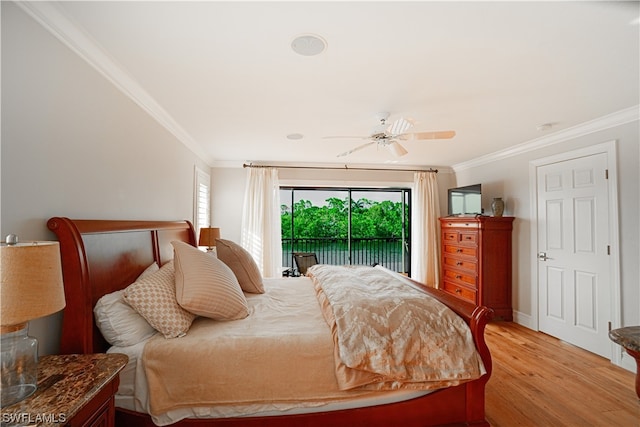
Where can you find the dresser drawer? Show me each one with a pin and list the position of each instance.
(450, 236)
(453, 236)
(459, 276)
(469, 238)
(470, 251)
(461, 263)
(461, 292)
(460, 224)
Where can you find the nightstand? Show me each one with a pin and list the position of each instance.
(73, 390)
(629, 339)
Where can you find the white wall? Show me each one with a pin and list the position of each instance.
(509, 178)
(227, 199)
(73, 145)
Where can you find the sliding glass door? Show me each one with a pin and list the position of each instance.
(380, 228)
(347, 225)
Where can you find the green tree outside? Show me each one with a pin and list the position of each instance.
(368, 219)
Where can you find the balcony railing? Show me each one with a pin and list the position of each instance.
(389, 252)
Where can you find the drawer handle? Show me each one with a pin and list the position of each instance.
(458, 277)
(458, 291)
(458, 250)
(459, 263)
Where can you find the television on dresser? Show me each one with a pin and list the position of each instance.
(465, 201)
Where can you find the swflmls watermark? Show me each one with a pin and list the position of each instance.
(28, 418)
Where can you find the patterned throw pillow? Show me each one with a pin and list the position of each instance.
(206, 286)
(154, 297)
(242, 264)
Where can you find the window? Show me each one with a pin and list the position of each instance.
(347, 225)
(202, 200)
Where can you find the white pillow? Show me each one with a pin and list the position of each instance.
(119, 323)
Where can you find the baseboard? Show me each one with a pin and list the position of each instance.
(525, 320)
(627, 362)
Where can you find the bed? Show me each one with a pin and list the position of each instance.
(100, 257)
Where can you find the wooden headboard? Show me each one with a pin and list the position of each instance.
(103, 256)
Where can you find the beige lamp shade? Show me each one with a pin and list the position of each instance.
(208, 236)
(31, 282)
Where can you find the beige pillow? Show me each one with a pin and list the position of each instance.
(154, 297)
(242, 264)
(206, 286)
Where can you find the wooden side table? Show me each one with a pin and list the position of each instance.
(629, 339)
(73, 390)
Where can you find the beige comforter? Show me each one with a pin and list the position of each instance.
(390, 335)
(283, 352)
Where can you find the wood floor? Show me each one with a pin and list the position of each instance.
(541, 381)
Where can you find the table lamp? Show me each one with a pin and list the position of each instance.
(31, 287)
(208, 236)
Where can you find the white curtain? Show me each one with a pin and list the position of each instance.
(425, 238)
(261, 220)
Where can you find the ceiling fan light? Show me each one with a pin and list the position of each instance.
(397, 149)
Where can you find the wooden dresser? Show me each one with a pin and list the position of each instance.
(476, 261)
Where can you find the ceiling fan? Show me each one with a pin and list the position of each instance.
(388, 135)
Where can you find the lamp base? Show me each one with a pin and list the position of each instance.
(15, 394)
(19, 365)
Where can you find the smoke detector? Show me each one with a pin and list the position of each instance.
(308, 45)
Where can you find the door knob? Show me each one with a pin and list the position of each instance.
(542, 256)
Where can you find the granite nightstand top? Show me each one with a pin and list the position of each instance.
(65, 384)
(628, 337)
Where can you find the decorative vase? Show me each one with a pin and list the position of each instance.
(497, 206)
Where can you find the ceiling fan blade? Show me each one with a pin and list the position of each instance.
(444, 134)
(400, 126)
(359, 147)
(397, 149)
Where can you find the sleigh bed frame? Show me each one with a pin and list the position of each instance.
(103, 256)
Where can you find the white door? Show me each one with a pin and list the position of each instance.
(573, 260)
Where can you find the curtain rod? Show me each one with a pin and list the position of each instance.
(345, 167)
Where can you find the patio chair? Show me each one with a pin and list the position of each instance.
(304, 260)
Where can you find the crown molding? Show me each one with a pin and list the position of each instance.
(51, 17)
(618, 118)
